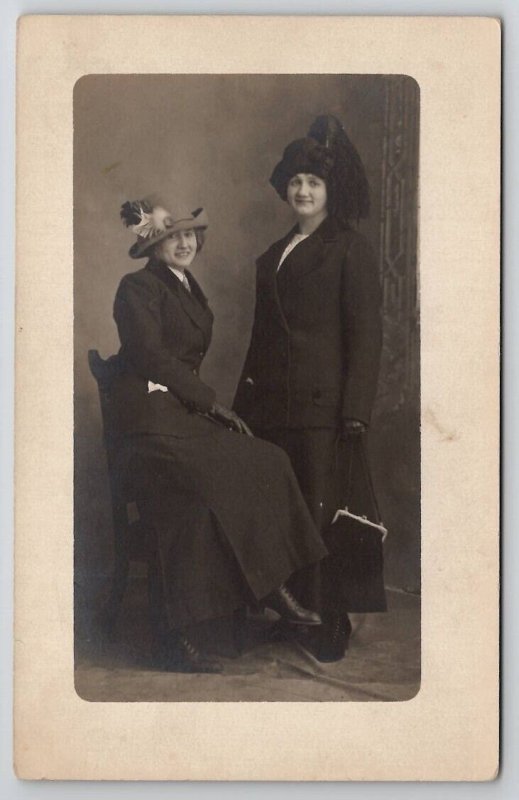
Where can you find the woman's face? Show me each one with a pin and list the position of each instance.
(306, 194)
(178, 249)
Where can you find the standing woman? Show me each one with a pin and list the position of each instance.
(310, 375)
(230, 523)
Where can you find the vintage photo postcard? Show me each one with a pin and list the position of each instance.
(257, 398)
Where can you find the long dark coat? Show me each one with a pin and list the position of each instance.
(315, 345)
(230, 520)
(313, 361)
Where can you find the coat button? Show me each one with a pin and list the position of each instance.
(201, 354)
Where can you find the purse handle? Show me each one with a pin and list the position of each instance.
(369, 480)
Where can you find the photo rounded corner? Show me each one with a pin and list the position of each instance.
(82, 697)
(412, 698)
(413, 81)
(81, 80)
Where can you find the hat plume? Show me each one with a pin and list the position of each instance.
(132, 212)
(351, 184)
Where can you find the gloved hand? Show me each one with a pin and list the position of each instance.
(352, 427)
(230, 419)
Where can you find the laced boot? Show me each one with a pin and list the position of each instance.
(334, 638)
(180, 655)
(289, 609)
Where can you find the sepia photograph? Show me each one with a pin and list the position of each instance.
(257, 398)
(246, 388)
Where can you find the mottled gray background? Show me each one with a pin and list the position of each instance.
(212, 140)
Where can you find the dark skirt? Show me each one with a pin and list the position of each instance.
(331, 475)
(353, 572)
(230, 522)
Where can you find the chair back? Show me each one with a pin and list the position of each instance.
(129, 539)
(104, 372)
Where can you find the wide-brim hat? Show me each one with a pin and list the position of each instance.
(152, 223)
(301, 156)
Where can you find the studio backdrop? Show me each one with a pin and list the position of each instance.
(212, 141)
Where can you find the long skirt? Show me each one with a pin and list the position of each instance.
(331, 475)
(229, 519)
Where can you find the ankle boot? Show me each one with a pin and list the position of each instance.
(289, 609)
(179, 654)
(334, 638)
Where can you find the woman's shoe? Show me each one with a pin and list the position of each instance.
(289, 609)
(334, 638)
(179, 654)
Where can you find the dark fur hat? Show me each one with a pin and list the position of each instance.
(302, 155)
(328, 153)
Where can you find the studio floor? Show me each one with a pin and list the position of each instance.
(381, 664)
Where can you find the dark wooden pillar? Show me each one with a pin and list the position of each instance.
(395, 438)
(398, 243)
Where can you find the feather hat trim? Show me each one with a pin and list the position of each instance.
(152, 222)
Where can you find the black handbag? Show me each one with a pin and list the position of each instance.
(354, 570)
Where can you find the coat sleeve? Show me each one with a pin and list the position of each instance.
(362, 330)
(138, 317)
(245, 391)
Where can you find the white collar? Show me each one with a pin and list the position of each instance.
(178, 273)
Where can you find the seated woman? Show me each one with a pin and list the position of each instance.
(253, 529)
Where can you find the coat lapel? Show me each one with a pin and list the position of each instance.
(268, 264)
(308, 255)
(194, 303)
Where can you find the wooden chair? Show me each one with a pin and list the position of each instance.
(133, 540)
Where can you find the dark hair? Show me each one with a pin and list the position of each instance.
(200, 238)
(347, 196)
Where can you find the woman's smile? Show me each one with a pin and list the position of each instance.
(306, 194)
(179, 249)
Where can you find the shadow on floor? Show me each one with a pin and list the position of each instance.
(382, 663)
